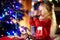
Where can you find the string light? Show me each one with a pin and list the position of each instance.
(38, 0)
(32, 9)
(13, 31)
(50, 0)
(5, 10)
(1, 17)
(8, 33)
(14, 21)
(13, 5)
(8, 22)
(32, 3)
(20, 1)
(15, 34)
(11, 22)
(6, 13)
(17, 6)
(2, 35)
(59, 26)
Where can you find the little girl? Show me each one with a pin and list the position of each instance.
(44, 21)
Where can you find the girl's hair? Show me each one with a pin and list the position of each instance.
(50, 9)
(48, 6)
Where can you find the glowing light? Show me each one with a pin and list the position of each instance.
(6, 13)
(38, 0)
(14, 21)
(2, 35)
(20, 1)
(1, 17)
(8, 33)
(14, 16)
(50, 0)
(13, 5)
(15, 34)
(7, 22)
(10, 11)
(5, 10)
(32, 9)
(13, 31)
(32, 3)
(59, 26)
(17, 6)
(11, 22)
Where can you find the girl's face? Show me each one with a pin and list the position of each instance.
(42, 10)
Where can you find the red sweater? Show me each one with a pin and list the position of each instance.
(45, 24)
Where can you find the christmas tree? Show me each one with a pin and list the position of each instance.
(10, 10)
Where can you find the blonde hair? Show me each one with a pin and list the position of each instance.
(48, 10)
(51, 14)
(54, 24)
